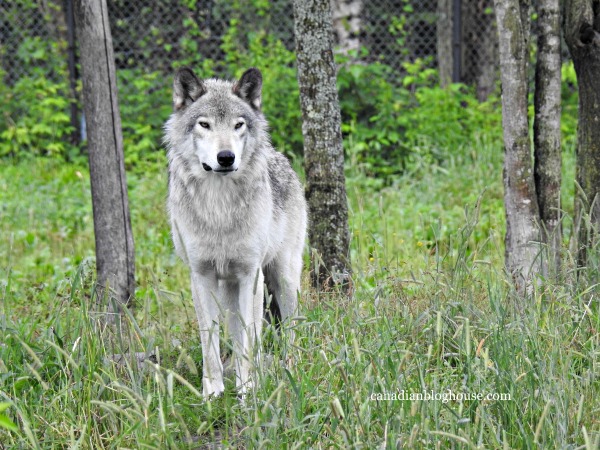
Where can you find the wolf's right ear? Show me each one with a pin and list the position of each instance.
(187, 88)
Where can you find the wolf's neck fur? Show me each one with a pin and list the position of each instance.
(201, 194)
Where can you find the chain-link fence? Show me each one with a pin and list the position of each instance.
(457, 38)
(40, 85)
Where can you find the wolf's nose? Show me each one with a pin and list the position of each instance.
(225, 158)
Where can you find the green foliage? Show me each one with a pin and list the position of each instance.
(5, 422)
(35, 120)
(35, 116)
(391, 129)
(570, 105)
(144, 103)
(390, 122)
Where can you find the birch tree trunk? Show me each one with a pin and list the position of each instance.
(582, 33)
(112, 226)
(520, 200)
(546, 129)
(323, 151)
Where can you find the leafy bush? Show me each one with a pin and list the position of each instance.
(35, 120)
(390, 129)
(144, 103)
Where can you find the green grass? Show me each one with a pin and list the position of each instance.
(432, 312)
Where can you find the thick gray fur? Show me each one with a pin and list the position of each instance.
(237, 213)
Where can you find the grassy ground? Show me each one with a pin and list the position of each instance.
(432, 316)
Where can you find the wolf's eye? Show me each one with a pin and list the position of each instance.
(204, 124)
(239, 125)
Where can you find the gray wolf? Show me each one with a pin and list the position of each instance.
(237, 214)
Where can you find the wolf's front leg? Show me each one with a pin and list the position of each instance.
(204, 292)
(246, 328)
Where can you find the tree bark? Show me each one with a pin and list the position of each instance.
(582, 33)
(444, 34)
(520, 200)
(546, 129)
(112, 226)
(323, 151)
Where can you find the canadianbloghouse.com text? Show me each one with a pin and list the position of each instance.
(444, 396)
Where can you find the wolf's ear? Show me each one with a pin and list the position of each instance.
(249, 87)
(187, 88)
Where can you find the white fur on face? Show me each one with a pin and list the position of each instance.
(212, 136)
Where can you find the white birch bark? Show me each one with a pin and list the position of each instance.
(520, 200)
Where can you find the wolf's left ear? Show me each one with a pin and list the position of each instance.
(249, 87)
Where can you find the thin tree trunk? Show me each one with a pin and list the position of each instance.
(114, 240)
(487, 56)
(546, 128)
(445, 24)
(582, 33)
(323, 151)
(480, 47)
(520, 200)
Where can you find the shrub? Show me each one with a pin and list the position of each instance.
(35, 120)
(144, 103)
(390, 128)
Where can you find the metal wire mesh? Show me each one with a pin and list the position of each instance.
(154, 34)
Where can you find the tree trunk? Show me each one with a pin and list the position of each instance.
(487, 56)
(480, 47)
(347, 24)
(546, 128)
(112, 225)
(520, 200)
(323, 151)
(582, 33)
(444, 35)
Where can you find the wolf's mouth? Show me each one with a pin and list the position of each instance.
(222, 170)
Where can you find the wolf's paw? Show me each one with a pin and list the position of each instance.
(212, 388)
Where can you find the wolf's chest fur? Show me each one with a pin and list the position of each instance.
(222, 221)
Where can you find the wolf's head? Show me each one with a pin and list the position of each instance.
(217, 122)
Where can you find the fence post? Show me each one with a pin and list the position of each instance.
(112, 224)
